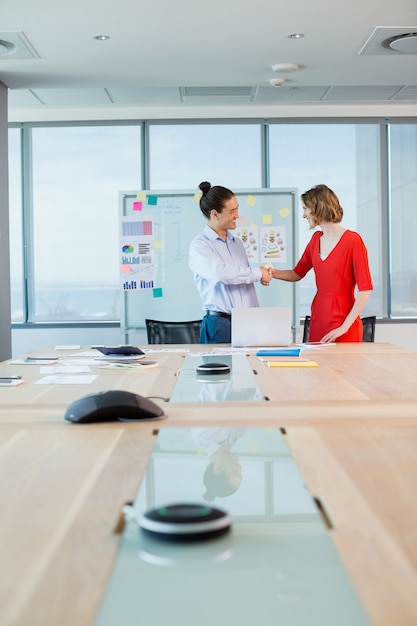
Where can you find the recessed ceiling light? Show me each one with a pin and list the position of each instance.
(101, 37)
(296, 36)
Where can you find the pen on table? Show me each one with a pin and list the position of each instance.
(41, 358)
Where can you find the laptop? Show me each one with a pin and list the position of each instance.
(261, 326)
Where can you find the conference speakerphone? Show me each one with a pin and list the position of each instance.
(185, 522)
(213, 368)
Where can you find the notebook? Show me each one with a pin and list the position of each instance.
(261, 326)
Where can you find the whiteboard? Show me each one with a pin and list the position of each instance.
(159, 225)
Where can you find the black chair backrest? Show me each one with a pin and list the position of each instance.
(369, 328)
(367, 322)
(306, 330)
(173, 332)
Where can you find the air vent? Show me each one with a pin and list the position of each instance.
(391, 41)
(217, 95)
(207, 92)
(16, 46)
(402, 43)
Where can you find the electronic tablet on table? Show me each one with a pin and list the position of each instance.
(121, 350)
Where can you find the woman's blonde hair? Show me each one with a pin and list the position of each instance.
(323, 204)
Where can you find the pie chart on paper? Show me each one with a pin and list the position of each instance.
(128, 249)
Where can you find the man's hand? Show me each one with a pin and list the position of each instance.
(266, 276)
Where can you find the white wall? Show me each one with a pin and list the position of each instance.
(188, 112)
(404, 335)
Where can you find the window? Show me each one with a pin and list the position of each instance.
(181, 156)
(77, 174)
(346, 157)
(403, 219)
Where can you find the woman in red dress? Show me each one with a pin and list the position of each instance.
(340, 262)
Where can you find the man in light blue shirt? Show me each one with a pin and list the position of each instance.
(218, 260)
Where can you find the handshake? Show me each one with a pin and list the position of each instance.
(266, 275)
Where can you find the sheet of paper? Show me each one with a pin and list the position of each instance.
(314, 345)
(64, 369)
(74, 361)
(155, 350)
(233, 350)
(62, 379)
(139, 366)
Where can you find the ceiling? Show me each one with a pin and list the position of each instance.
(170, 55)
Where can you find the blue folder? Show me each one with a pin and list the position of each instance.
(279, 352)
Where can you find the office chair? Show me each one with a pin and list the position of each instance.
(368, 328)
(306, 330)
(173, 332)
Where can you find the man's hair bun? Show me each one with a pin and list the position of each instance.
(204, 187)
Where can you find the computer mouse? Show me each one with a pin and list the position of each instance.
(113, 405)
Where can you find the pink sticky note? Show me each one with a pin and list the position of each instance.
(137, 206)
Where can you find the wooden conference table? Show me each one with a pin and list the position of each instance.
(351, 426)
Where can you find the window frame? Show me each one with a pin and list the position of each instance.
(144, 149)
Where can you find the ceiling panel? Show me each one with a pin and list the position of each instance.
(167, 53)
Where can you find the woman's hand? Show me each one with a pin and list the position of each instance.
(333, 335)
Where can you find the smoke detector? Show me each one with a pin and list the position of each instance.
(277, 82)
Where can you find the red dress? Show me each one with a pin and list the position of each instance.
(345, 267)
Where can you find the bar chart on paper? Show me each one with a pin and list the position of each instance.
(136, 228)
(141, 284)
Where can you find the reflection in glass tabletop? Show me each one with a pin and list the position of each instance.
(276, 566)
(238, 386)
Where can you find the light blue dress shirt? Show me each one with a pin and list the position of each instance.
(222, 273)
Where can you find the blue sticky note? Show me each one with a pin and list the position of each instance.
(153, 200)
(157, 292)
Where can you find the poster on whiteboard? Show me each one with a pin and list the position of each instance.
(137, 255)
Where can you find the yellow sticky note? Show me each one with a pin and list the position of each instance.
(141, 195)
(251, 200)
(284, 212)
(266, 219)
(157, 243)
(197, 196)
(292, 364)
